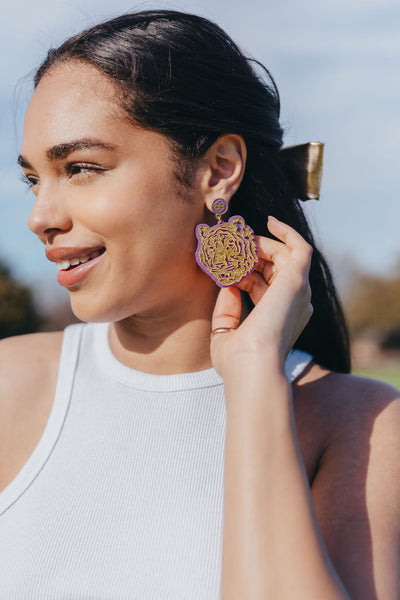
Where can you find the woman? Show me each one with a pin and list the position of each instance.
(130, 467)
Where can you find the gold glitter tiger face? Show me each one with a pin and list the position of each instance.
(227, 252)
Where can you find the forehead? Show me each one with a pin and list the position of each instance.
(71, 101)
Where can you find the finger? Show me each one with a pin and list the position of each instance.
(293, 240)
(255, 285)
(227, 309)
(266, 268)
(273, 255)
(268, 249)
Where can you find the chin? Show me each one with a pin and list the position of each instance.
(89, 316)
(96, 309)
(90, 311)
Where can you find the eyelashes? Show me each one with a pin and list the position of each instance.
(28, 181)
(82, 169)
(74, 170)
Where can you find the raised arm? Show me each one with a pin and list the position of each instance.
(272, 546)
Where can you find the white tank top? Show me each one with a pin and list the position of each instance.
(123, 496)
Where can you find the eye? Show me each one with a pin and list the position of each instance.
(82, 170)
(29, 180)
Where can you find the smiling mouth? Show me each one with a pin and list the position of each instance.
(68, 265)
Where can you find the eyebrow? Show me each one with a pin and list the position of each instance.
(61, 151)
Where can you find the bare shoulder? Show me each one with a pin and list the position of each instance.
(345, 406)
(28, 360)
(355, 424)
(25, 344)
(343, 417)
(28, 375)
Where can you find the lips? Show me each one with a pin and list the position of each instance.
(73, 264)
(69, 253)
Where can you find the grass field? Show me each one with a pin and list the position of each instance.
(389, 374)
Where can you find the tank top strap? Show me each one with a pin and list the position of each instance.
(33, 466)
(296, 362)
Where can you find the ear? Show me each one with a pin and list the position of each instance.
(223, 168)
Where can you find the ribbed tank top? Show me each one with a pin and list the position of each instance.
(123, 496)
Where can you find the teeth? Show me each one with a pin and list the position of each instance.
(62, 266)
(65, 264)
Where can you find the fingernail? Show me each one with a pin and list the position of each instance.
(271, 218)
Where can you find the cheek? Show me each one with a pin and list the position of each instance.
(108, 210)
(140, 214)
(134, 196)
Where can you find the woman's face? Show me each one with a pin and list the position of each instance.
(108, 201)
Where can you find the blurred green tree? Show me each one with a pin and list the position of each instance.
(373, 304)
(18, 314)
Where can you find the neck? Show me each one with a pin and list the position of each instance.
(167, 340)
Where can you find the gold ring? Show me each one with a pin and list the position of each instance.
(270, 280)
(221, 330)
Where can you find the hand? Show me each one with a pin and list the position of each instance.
(282, 309)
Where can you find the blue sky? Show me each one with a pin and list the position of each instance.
(336, 64)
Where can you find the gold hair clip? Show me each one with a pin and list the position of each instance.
(303, 166)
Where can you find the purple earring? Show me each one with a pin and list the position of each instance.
(227, 252)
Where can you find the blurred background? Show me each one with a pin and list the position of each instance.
(336, 65)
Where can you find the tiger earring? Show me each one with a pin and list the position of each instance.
(227, 252)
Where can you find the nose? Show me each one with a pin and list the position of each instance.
(49, 214)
